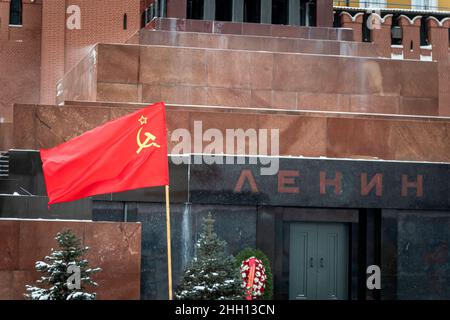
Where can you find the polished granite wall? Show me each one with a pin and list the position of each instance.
(410, 246)
(308, 182)
(234, 224)
(302, 133)
(36, 207)
(115, 247)
(415, 260)
(236, 78)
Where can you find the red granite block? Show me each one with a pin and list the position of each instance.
(261, 71)
(375, 104)
(118, 92)
(223, 121)
(256, 29)
(199, 26)
(359, 138)
(323, 102)
(228, 69)
(37, 240)
(6, 285)
(279, 30)
(54, 125)
(227, 27)
(173, 66)
(119, 64)
(418, 140)
(9, 245)
(284, 100)
(299, 136)
(229, 97)
(118, 286)
(22, 279)
(261, 99)
(114, 247)
(419, 106)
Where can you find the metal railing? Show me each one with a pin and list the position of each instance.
(4, 165)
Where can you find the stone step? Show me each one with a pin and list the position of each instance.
(256, 43)
(259, 29)
(236, 78)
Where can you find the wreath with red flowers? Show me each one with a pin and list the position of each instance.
(254, 278)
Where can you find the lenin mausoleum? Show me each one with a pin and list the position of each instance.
(354, 98)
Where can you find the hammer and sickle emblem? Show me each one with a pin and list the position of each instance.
(146, 144)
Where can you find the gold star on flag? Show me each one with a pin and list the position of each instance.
(143, 120)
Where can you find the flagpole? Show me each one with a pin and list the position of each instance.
(169, 246)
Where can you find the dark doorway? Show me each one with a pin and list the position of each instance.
(224, 10)
(194, 9)
(280, 12)
(252, 11)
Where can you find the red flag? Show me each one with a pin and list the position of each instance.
(124, 154)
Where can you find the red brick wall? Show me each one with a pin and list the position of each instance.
(382, 35)
(53, 29)
(30, 70)
(115, 247)
(438, 34)
(353, 22)
(101, 21)
(411, 37)
(20, 56)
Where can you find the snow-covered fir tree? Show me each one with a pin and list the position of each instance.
(62, 270)
(212, 275)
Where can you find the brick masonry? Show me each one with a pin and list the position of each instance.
(35, 56)
(20, 57)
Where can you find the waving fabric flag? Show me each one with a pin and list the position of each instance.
(124, 154)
